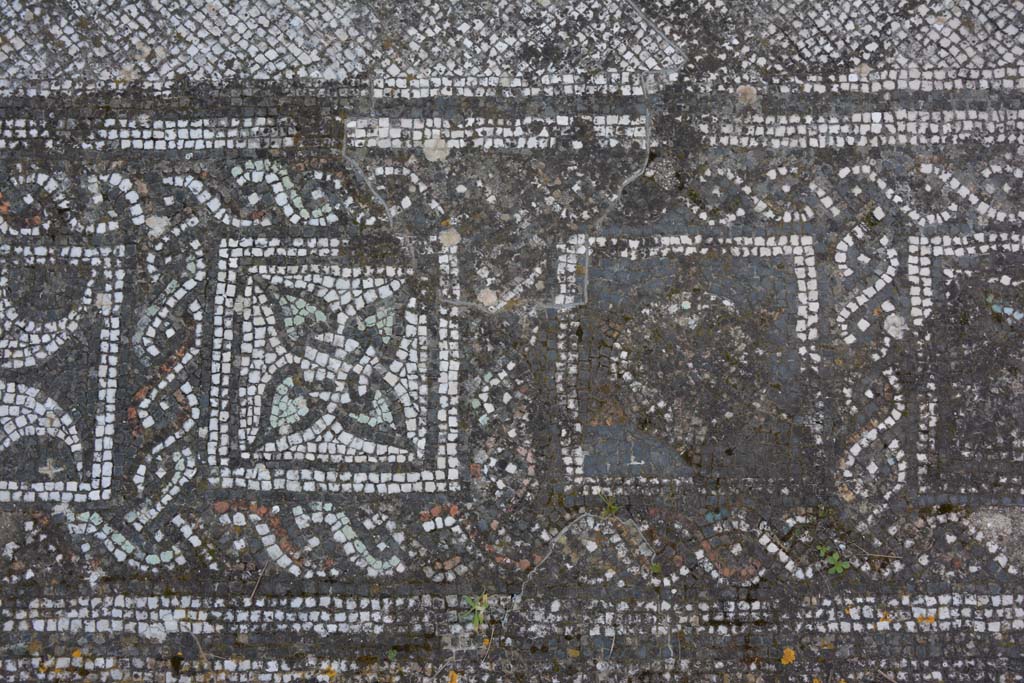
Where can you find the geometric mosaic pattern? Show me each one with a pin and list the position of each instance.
(511, 341)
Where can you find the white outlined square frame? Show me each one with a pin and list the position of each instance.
(579, 249)
(925, 253)
(258, 476)
(96, 485)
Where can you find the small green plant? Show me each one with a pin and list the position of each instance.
(477, 610)
(611, 508)
(836, 563)
(655, 568)
(392, 654)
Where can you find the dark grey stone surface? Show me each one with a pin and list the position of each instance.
(511, 341)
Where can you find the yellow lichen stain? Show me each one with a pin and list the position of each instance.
(453, 677)
(926, 619)
(788, 656)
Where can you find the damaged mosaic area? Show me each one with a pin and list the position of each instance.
(508, 341)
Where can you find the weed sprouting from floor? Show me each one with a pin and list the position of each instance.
(611, 508)
(836, 563)
(477, 610)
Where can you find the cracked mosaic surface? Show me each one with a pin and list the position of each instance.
(539, 340)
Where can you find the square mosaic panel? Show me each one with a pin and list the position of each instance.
(968, 289)
(327, 377)
(651, 408)
(60, 372)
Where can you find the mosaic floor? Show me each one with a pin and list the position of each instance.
(520, 340)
